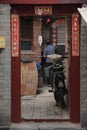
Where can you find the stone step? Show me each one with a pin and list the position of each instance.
(46, 126)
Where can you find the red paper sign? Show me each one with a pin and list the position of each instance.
(75, 35)
(43, 10)
(15, 35)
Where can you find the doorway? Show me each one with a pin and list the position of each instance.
(36, 101)
(19, 11)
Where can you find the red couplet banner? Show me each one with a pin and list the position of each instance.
(75, 35)
(15, 35)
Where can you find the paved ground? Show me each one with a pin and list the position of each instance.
(42, 106)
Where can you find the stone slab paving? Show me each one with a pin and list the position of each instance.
(42, 106)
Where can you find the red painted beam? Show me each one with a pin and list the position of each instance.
(43, 1)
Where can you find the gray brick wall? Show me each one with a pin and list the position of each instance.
(83, 73)
(5, 67)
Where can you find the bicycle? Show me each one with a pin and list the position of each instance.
(58, 80)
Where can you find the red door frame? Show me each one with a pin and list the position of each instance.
(16, 73)
(15, 93)
(75, 71)
(42, 1)
(74, 88)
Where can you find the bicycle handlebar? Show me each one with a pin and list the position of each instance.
(53, 57)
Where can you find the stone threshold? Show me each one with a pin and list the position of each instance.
(46, 126)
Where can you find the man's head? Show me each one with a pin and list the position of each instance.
(48, 42)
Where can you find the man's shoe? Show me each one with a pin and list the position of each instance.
(50, 90)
